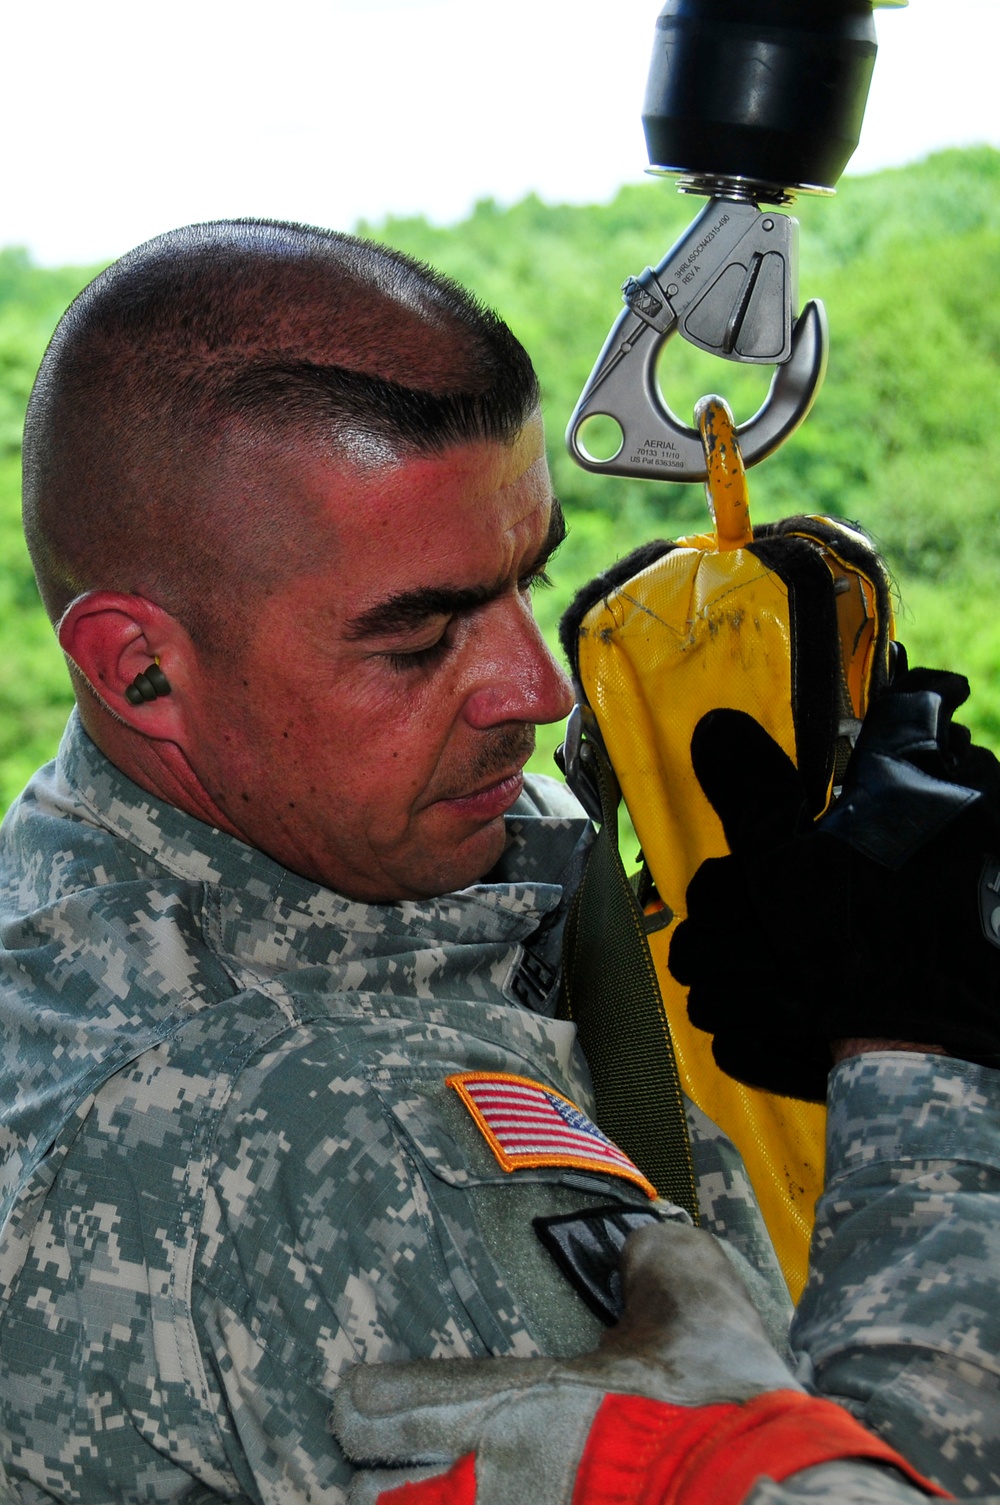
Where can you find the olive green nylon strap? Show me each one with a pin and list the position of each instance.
(611, 993)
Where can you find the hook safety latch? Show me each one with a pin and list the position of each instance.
(729, 286)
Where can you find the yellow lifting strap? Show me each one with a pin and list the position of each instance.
(790, 624)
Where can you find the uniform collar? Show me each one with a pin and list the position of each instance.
(524, 888)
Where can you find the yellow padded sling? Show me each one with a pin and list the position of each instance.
(792, 627)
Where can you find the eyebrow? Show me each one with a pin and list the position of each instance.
(410, 609)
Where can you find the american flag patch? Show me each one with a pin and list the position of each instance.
(526, 1124)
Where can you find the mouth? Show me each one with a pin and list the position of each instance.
(492, 800)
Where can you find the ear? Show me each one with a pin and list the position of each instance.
(111, 638)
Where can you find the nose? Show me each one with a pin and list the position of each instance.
(516, 677)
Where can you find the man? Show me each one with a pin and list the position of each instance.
(284, 913)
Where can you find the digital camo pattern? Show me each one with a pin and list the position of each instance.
(900, 1320)
(901, 1316)
(230, 1167)
(842, 1484)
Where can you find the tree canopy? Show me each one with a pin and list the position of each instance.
(904, 437)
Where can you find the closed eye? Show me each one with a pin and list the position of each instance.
(420, 658)
(406, 660)
(536, 580)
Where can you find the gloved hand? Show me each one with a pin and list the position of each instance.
(876, 921)
(617, 1423)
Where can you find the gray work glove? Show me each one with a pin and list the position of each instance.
(689, 1335)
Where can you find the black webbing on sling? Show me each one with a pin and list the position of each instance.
(610, 991)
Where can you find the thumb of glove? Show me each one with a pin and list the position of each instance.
(688, 1318)
(752, 784)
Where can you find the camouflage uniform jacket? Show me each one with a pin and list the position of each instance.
(232, 1167)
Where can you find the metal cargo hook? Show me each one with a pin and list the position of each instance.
(729, 287)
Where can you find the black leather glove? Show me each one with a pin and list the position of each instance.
(882, 920)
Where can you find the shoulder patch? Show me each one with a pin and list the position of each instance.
(527, 1124)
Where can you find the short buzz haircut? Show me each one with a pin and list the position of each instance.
(220, 341)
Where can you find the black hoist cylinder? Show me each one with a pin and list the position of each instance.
(772, 91)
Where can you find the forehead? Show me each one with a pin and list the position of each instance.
(468, 515)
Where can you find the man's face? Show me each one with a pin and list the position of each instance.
(372, 734)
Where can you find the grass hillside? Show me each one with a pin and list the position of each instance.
(905, 436)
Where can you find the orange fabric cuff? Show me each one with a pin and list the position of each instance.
(456, 1487)
(646, 1452)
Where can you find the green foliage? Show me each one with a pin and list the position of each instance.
(905, 436)
(34, 688)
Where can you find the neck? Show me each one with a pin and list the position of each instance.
(159, 767)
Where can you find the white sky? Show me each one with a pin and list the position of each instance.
(121, 119)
